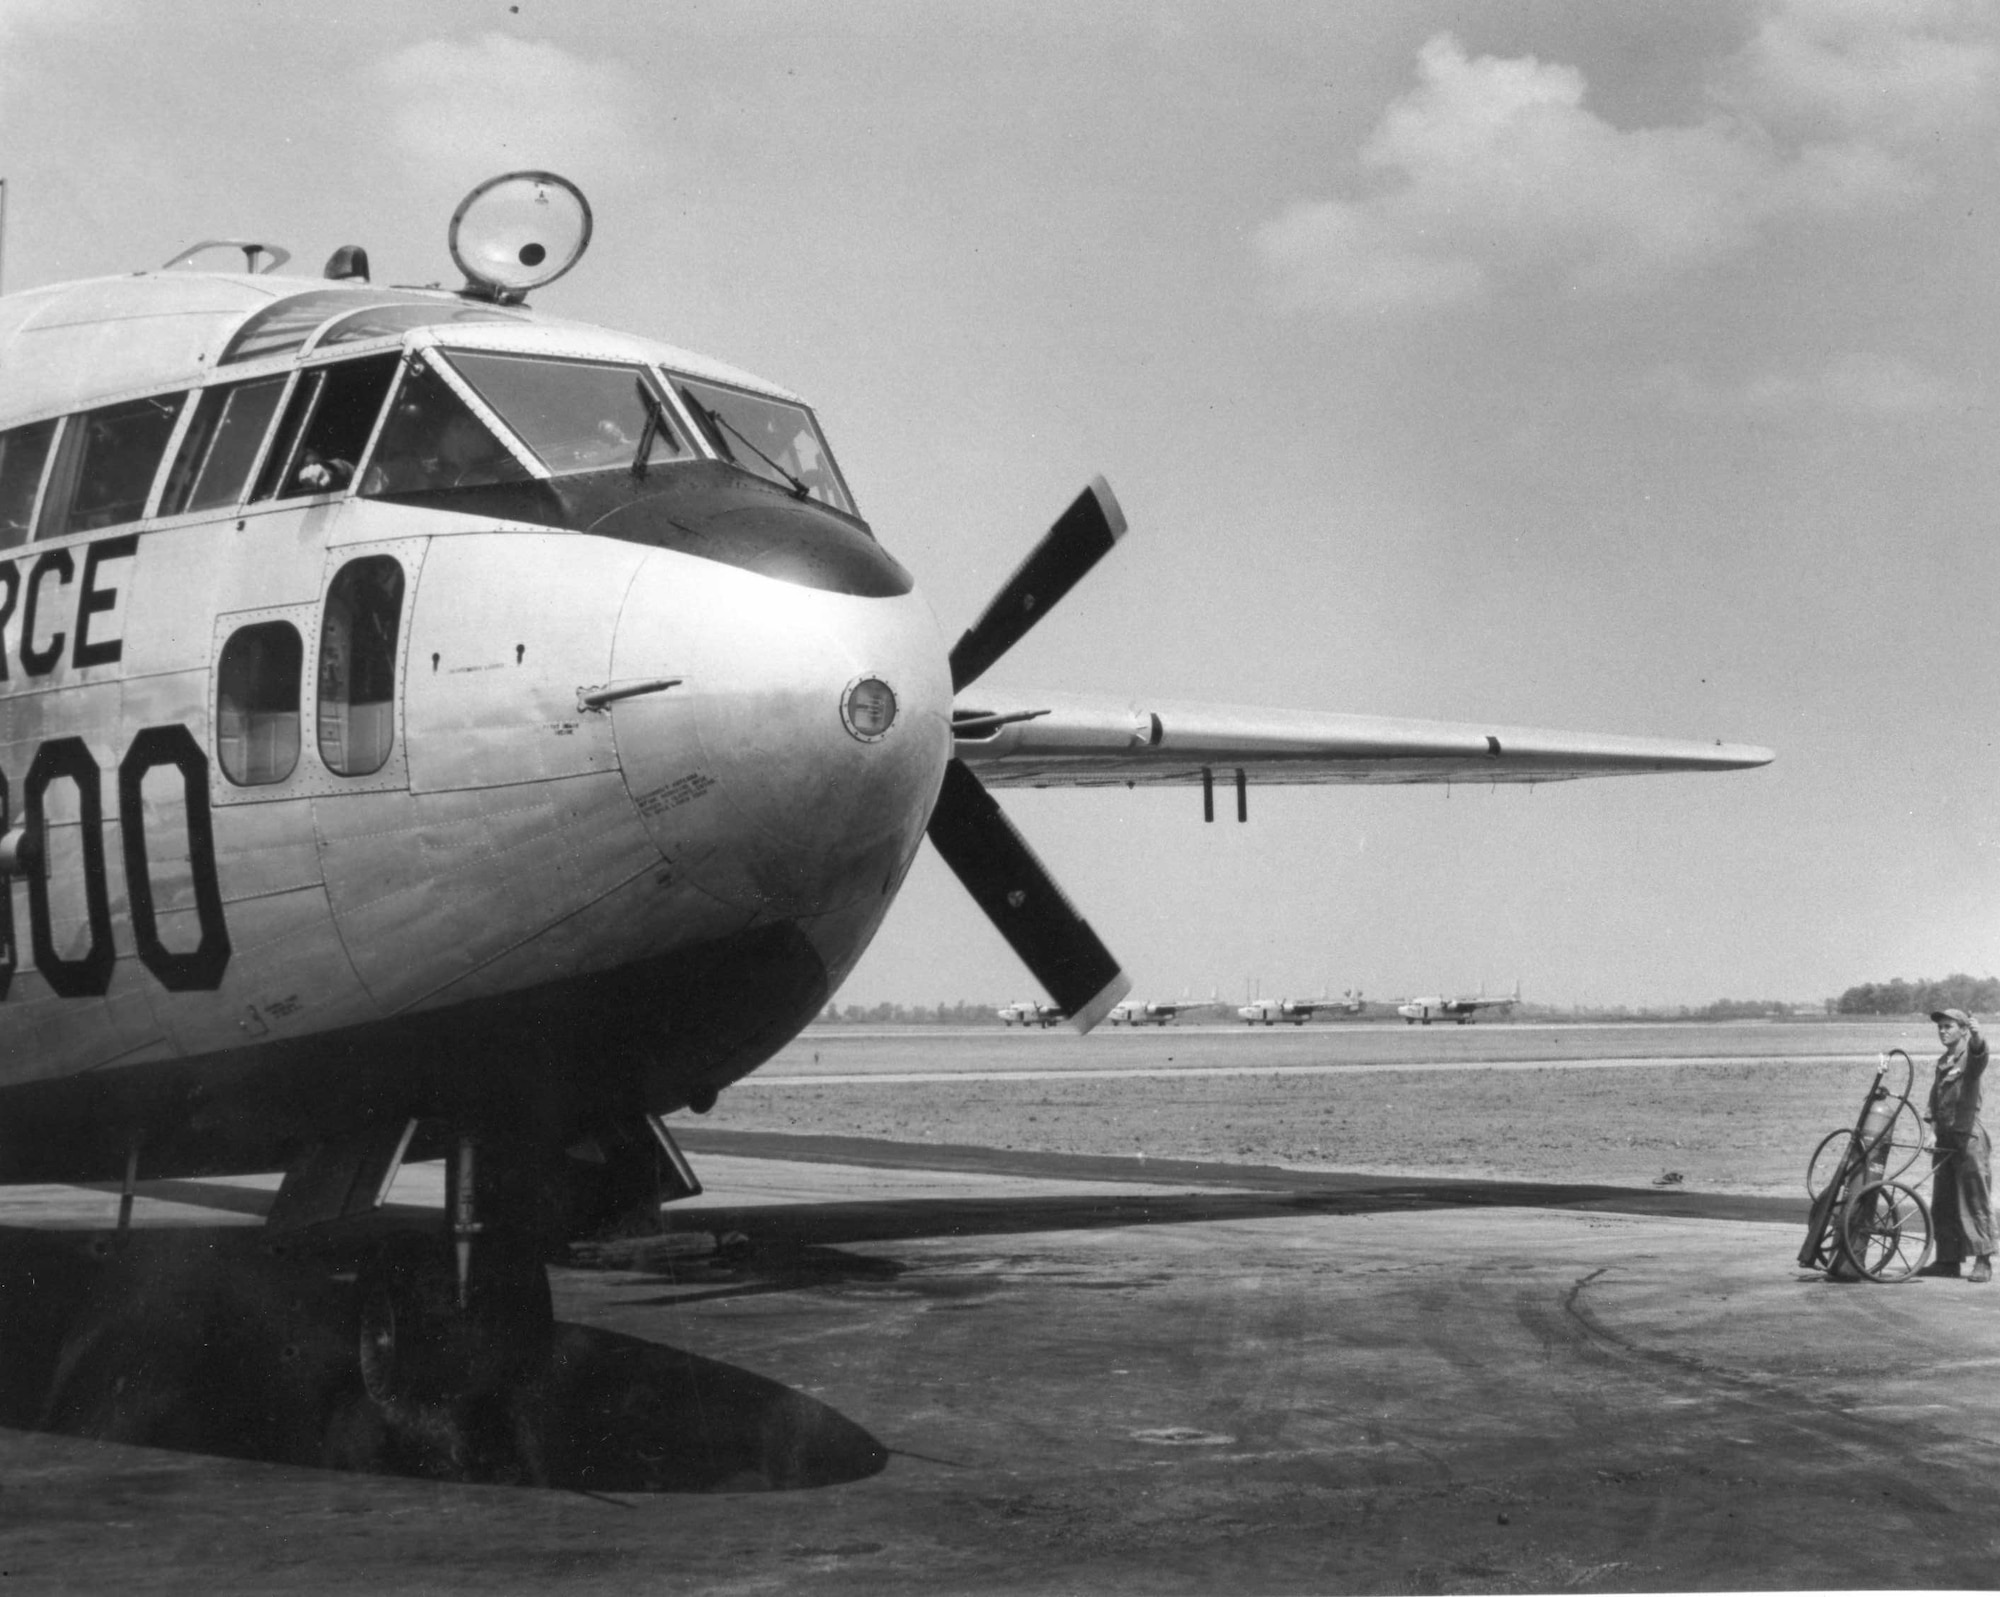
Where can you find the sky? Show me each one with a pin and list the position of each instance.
(1613, 367)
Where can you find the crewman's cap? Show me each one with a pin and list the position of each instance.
(1957, 1015)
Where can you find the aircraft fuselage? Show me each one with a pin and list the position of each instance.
(583, 789)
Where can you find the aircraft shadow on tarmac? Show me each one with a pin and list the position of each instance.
(803, 1234)
(803, 1247)
(214, 1341)
(218, 1341)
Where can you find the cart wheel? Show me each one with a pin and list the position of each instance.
(1885, 1231)
(1829, 1161)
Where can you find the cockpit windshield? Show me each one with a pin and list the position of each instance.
(768, 436)
(432, 440)
(575, 415)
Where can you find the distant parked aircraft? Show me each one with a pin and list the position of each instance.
(1029, 1013)
(1458, 1010)
(1135, 1013)
(1297, 1010)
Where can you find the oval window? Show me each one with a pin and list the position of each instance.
(357, 666)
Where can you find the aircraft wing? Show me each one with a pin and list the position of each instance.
(1072, 740)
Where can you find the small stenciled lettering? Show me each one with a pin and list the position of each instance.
(682, 790)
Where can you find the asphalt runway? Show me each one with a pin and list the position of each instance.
(873, 1364)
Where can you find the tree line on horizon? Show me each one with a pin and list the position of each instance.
(1979, 994)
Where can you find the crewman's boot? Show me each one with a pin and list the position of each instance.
(1982, 1268)
(1944, 1267)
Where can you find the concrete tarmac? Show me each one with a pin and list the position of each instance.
(864, 1367)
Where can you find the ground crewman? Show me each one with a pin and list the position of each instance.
(1962, 1161)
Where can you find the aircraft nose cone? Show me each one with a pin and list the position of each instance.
(793, 769)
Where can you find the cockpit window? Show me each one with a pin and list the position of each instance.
(284, 326)
(105, 464)
(768, 436)
(575, 415)
(325, 428)
(23, 452)
(221, 445)
(382, 321)
(432, 440)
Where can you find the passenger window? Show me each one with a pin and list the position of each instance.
(105, 464)
(326, 428)
(433, 440)
(357, 666)
(257, 703)
(221, 445)
(23, 453)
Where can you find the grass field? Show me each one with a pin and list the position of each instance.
(1731, 1108)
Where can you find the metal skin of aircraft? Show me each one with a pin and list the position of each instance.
(434, 729)
(1421, 1011)
(1269, 1011)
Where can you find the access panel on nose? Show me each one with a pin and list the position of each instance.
(511, 632)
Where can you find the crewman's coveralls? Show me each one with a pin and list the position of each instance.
(1961, 1195)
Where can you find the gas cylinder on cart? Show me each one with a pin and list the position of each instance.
(1874, 1134)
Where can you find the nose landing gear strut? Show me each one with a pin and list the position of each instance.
(462, 1313)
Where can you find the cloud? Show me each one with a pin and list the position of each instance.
(463, 108)
(1860, 384)
(1898, 73)
(1492, 170)
(1344, 255)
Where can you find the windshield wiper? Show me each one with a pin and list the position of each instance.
(656, 424)
(716, 420)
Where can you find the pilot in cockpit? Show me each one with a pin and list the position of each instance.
(432, 440)
(316, 474)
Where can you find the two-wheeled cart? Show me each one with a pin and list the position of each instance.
(1869, 1218)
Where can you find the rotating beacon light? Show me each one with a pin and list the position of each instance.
(516, 232)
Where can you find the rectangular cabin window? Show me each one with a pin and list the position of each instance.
(221, 445)
(575, 415)
(105, 464)
(326, 428)
(257, 703)
(24, 451)
(771, 437)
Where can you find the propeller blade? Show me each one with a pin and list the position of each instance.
(1019, 896)
(1082, 536)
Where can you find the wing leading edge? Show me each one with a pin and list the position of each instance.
(1071, 740)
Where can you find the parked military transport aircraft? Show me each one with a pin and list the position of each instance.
(1461, 1010)
(435, 729)
(1030, 1013)
(1269, 1011)
(1138, 1012)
